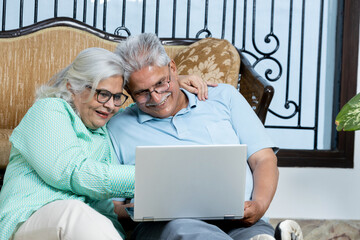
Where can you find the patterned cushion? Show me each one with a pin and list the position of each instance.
(214, 60)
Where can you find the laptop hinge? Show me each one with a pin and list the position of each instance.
(229, 216)
(148, 219)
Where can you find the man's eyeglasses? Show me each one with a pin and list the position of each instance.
(160, 87)
(103, 96)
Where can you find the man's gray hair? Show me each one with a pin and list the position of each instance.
(141, 51)
(90, 67)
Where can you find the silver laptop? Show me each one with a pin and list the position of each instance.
(199, 181)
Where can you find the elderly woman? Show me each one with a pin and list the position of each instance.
(62, 173)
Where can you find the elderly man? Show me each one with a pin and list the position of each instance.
(166, 114)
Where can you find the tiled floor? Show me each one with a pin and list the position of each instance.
(327, 229)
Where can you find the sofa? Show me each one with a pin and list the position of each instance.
(31, 55)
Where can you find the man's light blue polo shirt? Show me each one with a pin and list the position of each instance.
(225, 118)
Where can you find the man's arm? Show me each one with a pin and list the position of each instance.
(263, 164)
(262, 159)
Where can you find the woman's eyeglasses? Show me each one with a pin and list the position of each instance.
(103, 96)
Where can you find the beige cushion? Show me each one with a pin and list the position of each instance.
(173, 50)
(215, 60)
(5, 147)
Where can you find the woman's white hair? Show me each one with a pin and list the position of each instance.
(141, 51)
(90, 67)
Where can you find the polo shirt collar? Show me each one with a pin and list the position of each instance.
(143, 117)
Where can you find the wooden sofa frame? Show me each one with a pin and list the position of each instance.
(32, 54)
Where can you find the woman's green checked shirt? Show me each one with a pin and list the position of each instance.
(53, 157)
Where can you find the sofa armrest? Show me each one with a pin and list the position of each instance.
(5, 147)
(257, 91)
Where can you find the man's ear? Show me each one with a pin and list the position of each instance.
(173, 67)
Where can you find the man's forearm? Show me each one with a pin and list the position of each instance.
(266, 175)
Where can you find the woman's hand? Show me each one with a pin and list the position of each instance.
(119, 209)
(126, 222)
(196, 85)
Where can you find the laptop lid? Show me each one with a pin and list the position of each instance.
(198, 181)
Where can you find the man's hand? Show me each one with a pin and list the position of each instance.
(196, 85)
(253, 211)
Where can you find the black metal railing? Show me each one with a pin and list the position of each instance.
(239, 22)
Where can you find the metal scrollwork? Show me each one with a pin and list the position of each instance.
(268, 72)
(267, 39)
(205, 30)
(269, 36)
(287, 106)
(122, 28)
(267, 55)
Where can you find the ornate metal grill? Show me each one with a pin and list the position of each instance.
(265, 30)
